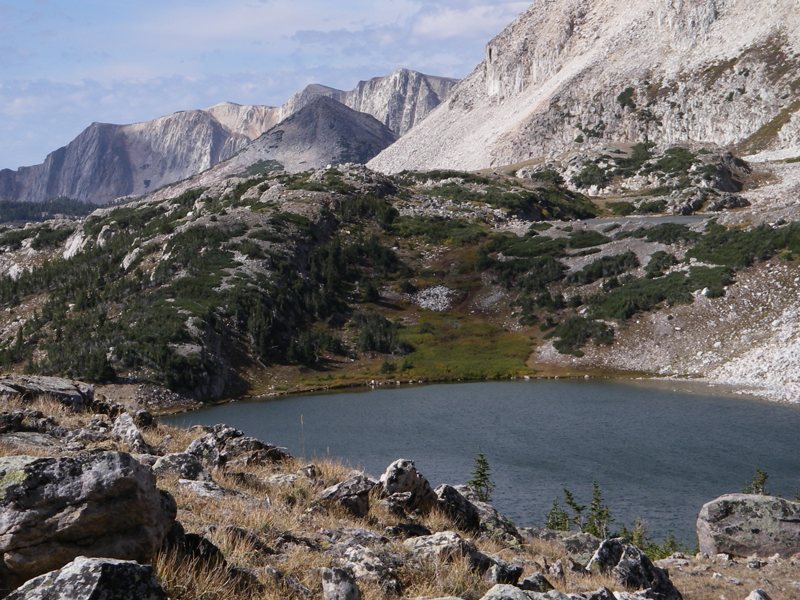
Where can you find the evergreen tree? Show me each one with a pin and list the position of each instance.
(557, 518)
(481, 477)
(759, 483)
(598, 519)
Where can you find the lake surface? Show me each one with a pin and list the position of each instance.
(656, 452)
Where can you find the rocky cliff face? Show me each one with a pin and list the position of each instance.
(400, 100)
(109, 161)
(571, 73)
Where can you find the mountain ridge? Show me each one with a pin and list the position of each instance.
(108, 161)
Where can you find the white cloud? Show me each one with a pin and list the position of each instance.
(476, 21)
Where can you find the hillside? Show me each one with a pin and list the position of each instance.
(269, 282)
(106, 162)
(571, 74)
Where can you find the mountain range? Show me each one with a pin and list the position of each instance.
(107, 161)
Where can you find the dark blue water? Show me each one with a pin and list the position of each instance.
(657, 453)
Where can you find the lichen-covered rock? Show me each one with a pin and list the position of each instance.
(351, 494)
(74, 394)
(93, 579)
(338, 584)
(53, 510)
(185, 466)
(402, 477)
(631, 567)
(536, 583)
(222, 444)
(126, 431)
(463, 512)
(364, 564)
(442, 546)
(746, 524)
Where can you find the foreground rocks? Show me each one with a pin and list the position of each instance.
(746, 524)
(632, 569)
(93, 579)
(53, 510)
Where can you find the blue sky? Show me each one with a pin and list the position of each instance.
(65, 64)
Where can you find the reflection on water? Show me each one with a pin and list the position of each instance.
(656, 453)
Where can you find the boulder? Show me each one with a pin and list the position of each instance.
(758, 595)
(462, 512)
(536, 583)
(442, 546)
(407, 530)
(401, 477)
(580, 546)
(631, 567)
(501, 571)
(505, 592)
(338, 584)
(182, 465)
(53, 510)
(493, 523)
(351, 494)
(364, 564)
(602, 594)
(747, 524)
(125, 430)
(208, 489)
(75, 395)
(93, 579)
(223, 444)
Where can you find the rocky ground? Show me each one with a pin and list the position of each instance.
(221, 515)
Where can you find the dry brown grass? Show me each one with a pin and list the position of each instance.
(271, 510)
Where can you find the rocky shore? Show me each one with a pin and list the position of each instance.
(98, 500)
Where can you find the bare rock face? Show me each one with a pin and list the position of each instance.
(338, 584)
(53, 510)
(747, 524)
(321, 133)
(351, 494)
(571, 73)
(92, 579)
(400, 100)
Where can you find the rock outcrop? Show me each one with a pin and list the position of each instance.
(93, 579)
(747, 524)
(402, 478)
(632, 569)
(571, 73)
(53, 510)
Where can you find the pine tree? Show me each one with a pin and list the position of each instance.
(481, 481)
(557, 518)
(576, 508)
(598, 519)
(759, 483)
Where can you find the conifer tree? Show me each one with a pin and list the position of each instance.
(481, 477)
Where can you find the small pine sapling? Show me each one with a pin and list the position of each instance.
(758, 485)
(481, 477)
(557, 518)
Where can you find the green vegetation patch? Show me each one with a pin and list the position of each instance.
(449, 347)
(439, 230)
(606, 266)
(576, 331)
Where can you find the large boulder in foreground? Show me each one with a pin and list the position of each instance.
(53, 510)
(747, 524)
(631, 568)
(402, 477)
(93, 579)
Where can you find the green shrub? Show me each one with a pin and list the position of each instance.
(575, 332)
(586, 238)
(606, 266)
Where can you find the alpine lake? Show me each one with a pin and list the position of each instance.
(658, 450)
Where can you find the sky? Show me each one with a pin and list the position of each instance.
(65, 64)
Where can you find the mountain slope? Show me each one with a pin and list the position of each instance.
(570, 73)
(321, 133)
